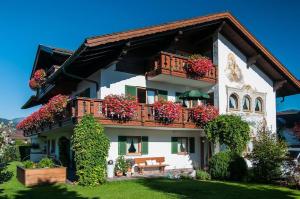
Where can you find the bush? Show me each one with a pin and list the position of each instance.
(230, 130)
(202, 175)
(28, 164)
(46, 163)
(238, 168)
(121, 164)
(91, 146)
(267, 156)
(219, 165)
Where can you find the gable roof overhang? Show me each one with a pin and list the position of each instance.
(107, 48)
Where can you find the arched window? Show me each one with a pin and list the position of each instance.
(233, 101)
(258, 105)
(246, 103)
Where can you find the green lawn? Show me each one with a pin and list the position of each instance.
(148, 188)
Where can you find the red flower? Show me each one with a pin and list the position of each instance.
(166, 111)
(45, 114)
(40, 75)
(198, 65)
(203, 114)
(33, 84)
(119, 107)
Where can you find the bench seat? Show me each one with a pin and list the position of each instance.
(142, 163)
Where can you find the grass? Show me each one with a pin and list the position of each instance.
(147, 188)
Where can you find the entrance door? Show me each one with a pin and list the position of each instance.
(64, 151)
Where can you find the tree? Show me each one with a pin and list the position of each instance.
(91, 146)
(268, 156)
(230, 130)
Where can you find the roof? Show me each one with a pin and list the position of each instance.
(98, 48)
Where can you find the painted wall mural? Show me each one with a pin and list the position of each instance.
(233, 70)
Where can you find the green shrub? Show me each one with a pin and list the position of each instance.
(91, 146)
(230, 130)
(238, 168)
(267, 156)
(46, 163)
(121, 164)
(28, 164)
(219, 165)
(202, 175)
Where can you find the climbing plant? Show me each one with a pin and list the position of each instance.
(91, 146)
(229, 130)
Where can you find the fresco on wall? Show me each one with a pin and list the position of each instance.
(233, 70)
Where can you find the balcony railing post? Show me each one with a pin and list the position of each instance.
(142, 114)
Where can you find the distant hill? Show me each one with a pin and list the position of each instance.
(15, 120)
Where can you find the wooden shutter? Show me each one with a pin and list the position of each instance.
(130, 90)
(162, 94)
(192, 145)
(144, 145)
(122, 145)
(174, 141)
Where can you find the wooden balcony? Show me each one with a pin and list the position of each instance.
(144, 117)
(168, 67)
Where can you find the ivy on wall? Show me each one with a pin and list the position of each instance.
(90, 146)
(229, 130)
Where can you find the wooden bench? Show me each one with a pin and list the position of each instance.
(142, 164)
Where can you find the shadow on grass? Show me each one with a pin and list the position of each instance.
(216, 190)
(50, 191)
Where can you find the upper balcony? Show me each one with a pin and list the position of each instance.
(144, 117)
(170, 68)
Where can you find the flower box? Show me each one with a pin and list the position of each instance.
(32, 177)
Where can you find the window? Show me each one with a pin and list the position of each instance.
(182, 145)
(133, 145)
(233, 101)
(85, 93)
(151, 96)
(141, 95)
(52, 146)
(246, 103)
(258, 105)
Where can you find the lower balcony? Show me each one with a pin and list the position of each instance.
(144, 117)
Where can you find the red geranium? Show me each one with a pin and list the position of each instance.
(119, 107)
(40, 75)
(198, 65)
(33, 84)
(166, 111)
(45, 114)
(202, 114)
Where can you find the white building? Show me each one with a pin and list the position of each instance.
(149, 63)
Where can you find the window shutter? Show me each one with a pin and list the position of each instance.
(192, 144)
(163, 94)
(144, 145)
(122, 145)
(174, 141)
(130, 90)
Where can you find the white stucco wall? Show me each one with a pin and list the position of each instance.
(251, 76)
(159, 145)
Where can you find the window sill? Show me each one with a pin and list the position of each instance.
(133, 154)
(182, 153)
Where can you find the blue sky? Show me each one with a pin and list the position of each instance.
(25, 24)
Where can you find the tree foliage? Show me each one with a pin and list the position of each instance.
(229, 130)
(219, 165)
(91, 146)
(267, 156)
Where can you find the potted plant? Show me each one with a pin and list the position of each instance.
(130, 162)
(198, 65)
(166, 111)
(121, 166)
(45, 171)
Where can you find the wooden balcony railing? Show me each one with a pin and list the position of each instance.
(144, 116)
(172, 64)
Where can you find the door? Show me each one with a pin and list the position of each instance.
(205, 152)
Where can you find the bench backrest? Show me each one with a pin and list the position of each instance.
(143, 160)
